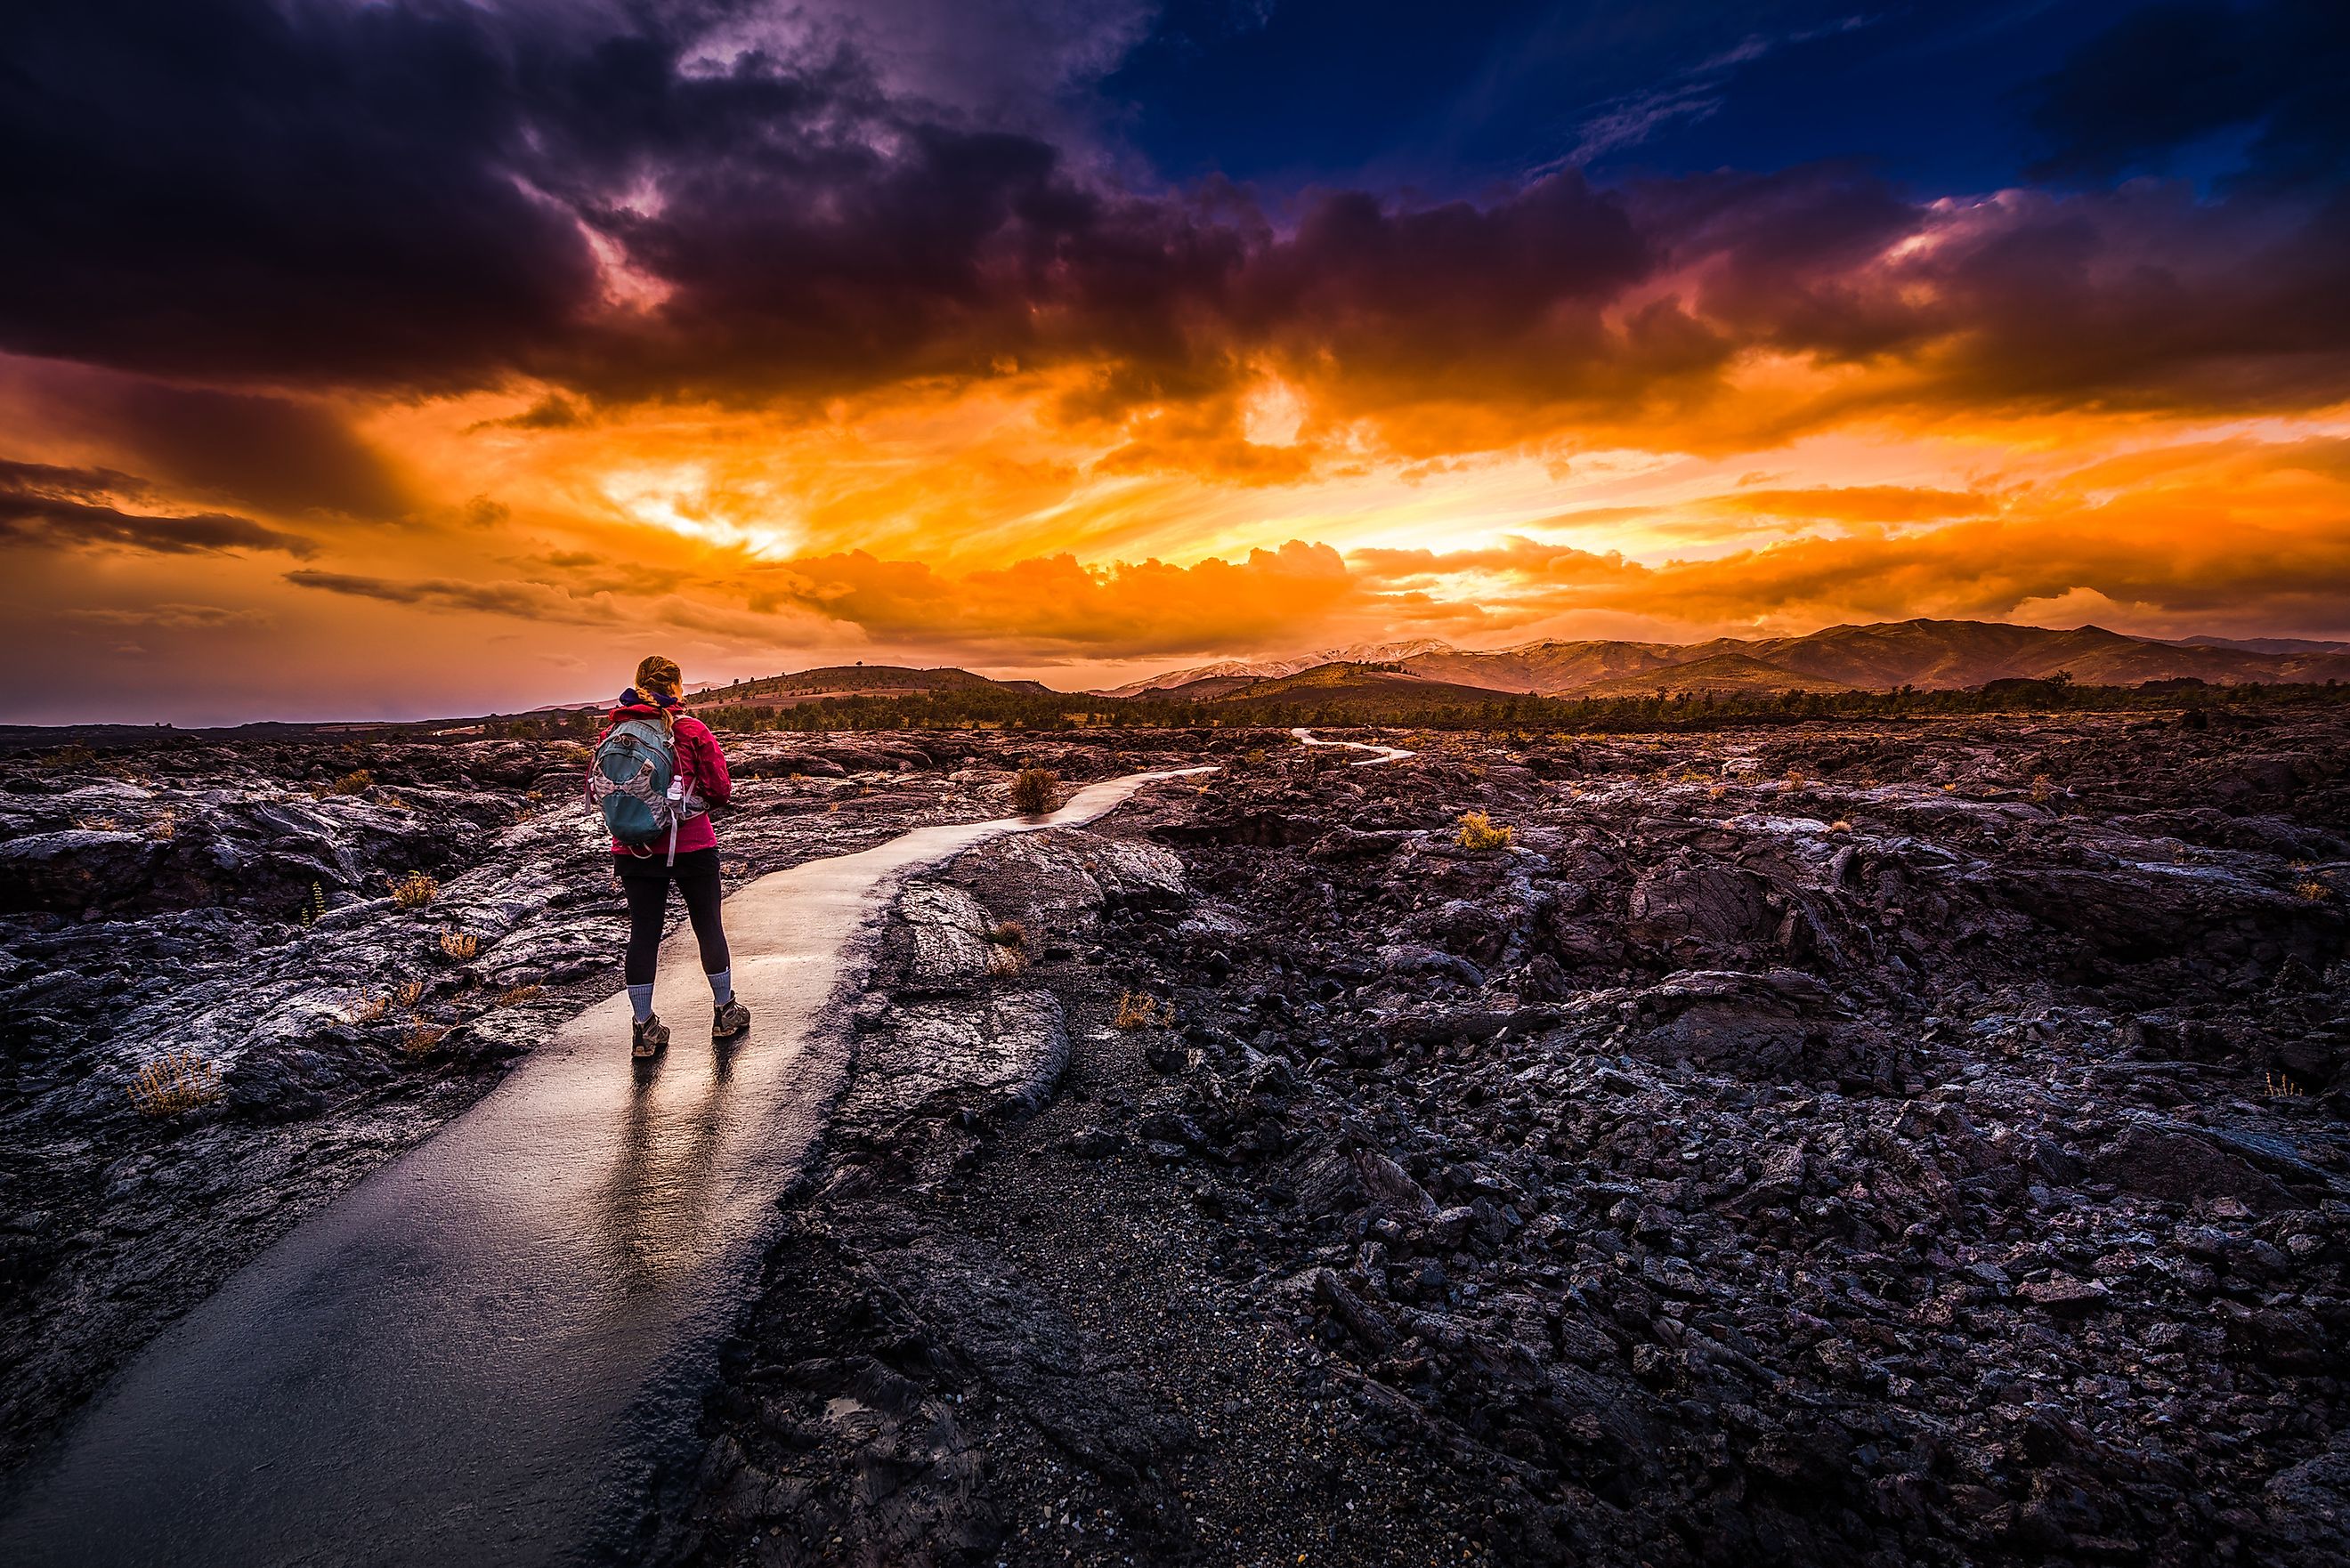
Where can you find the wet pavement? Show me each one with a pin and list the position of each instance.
(1378, 753)
(494, 1349)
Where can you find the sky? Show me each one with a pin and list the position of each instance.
(402, 358)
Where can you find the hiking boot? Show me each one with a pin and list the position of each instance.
(650, 1035)
(729, 1019)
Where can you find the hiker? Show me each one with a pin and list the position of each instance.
(656, 773)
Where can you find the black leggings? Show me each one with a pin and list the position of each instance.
(646, 882)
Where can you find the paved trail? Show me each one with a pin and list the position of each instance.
(491, 1348)
(1378, 753)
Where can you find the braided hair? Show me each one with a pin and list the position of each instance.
(659, 677)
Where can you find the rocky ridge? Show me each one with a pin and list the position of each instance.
(1861, 1145)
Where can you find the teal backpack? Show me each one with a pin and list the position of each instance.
(633, 782)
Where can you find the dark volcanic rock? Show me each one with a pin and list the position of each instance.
(2179, 1165)
(1941, 1163)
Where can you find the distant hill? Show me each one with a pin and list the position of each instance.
(1549, 667)
(1929, 655)
(850, 680)
(1371, 690)
(1274, 668)
(1717, 673)
(2266, 644)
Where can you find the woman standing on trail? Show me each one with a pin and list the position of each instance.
(652, 752)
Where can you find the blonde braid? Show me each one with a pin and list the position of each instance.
(659, 675)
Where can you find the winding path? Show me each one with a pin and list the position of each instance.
(494, 1349)
(1378, 753)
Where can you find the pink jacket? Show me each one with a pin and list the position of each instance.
(700, 763)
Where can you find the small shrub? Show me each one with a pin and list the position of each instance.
(2281, 1086)
(516, 995)
(1137, 1010)
(460, 944)
(414, 890)
(1797, 778)
(367, 1007)
(175, 1083)
(2311, 891)
(313, 908)
(1007, 950)
(533, 796)
(1478, 831)
(422, 1037)
(410, 992)
(69, 759)
(2041, 790)
(1839, 825)
(1033, 790)
(166, 828)
(357, 782)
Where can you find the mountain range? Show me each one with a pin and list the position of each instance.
(1929, 655)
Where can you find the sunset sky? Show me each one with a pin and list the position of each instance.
(392, 357)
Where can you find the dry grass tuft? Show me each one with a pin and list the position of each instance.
(357, 782)
(460, 944)
(414, 890)
(165, 827)
(2311, 891)
(1007, 950)
(1478, 831)
(516, 995)
(367, 1007)
(1033, 790)
(175, 1083)
(2041, 789)
(410, 993)
(422, 1037)
(1137, 1010)
(2280, 1086)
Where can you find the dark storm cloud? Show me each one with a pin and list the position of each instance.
(2174, 75)
(276, 454)
(531, 601)
(233, 188)
(682, 202)
(69, 507)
